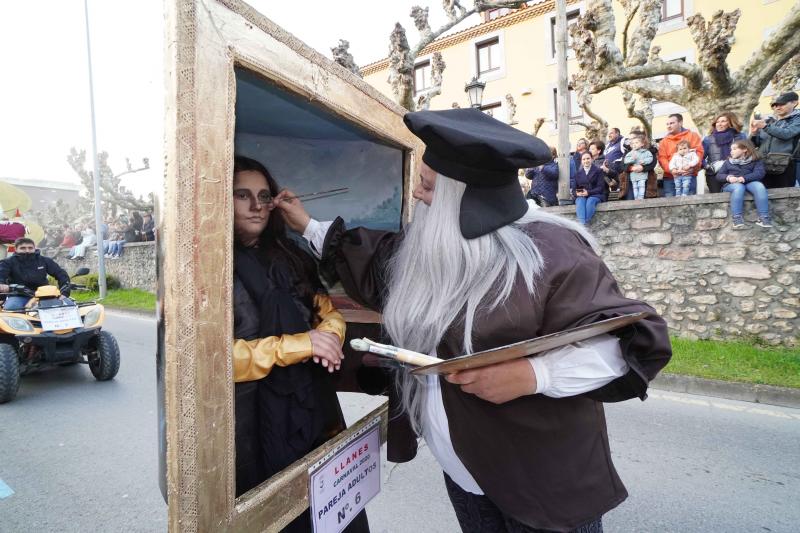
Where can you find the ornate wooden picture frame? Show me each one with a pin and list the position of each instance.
(207, 43)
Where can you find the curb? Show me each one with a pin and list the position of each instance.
(745, 392)
(130, 312)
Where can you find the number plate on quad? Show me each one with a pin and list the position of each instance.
(60, 318)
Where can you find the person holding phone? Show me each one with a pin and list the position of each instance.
(588, 188)
(778, 138)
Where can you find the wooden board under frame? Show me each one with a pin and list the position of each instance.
(205, 41)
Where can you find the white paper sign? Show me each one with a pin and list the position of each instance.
(342, 483)
(60, 318)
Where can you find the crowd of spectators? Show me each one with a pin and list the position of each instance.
(734, 161)
(115, 233)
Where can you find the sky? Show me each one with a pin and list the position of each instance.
(44, 92)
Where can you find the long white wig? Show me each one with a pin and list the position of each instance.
(437, 275)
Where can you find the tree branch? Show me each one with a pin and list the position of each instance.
(437, 68)
(463, 13)
(773, 53)
(642, 39)
(714, 41)
(341, 54)
(658, 91)
(643, 114)
(420, 17)
(602, 124)
(401, 68)
(537, 125)
(786, 78)
(630, 13)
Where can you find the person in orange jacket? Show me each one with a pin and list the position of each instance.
(668, 146)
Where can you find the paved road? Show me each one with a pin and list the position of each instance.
(81, 456)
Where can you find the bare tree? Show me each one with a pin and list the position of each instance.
(341, 54)
(115, 195)
(709, 85)
(537, 125)
(402, 56)
(786, 78)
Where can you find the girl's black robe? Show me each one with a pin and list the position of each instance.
(294, 409)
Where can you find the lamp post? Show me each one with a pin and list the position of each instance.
(98, 213)
(562, 116)
(474, 90)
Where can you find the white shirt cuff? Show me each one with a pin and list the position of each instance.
(580, 367)
(315, 233)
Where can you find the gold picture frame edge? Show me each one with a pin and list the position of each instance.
(199, 450)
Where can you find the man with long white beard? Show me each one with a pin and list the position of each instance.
(523, 444)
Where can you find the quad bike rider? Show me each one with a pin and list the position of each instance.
(41, 326)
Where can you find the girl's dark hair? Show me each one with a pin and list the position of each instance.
(275, 244)
(749, 146)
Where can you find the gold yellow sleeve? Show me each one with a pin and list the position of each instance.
(254, 359)
(331, 320)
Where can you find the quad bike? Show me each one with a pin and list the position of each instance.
(52, 331)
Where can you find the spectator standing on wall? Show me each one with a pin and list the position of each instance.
(588, 188)
(544, 180)
(614, 147)
(725, 128)
(608, 171)
(651, 185)
(133, 233)
(148, 227)
(580, 149)
(638, 157)
(744, 172)
(668, 146)
(682, 167)
(777, 139)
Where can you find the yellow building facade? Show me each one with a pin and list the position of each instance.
(515, 51)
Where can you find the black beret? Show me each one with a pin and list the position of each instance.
(470, 146)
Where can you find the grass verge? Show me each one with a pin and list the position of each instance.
(128, 299)
(735, 361)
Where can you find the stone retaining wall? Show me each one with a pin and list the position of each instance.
(682, 256)
(135, 269)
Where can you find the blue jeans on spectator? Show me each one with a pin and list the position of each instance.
(638, 188)
(669, 187)
(585, 207)
(115, 248)
(692, 186)
(759, 192)
(682, 185)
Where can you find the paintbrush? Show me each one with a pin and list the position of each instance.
(393, 352)
(315, 195)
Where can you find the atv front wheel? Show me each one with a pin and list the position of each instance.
(9, 372)
(105, 364)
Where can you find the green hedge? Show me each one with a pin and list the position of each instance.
(92, 282)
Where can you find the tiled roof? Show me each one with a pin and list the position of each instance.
(525, 13)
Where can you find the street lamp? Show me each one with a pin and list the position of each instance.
(474, 90)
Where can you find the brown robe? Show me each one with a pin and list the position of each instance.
(544, 461)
